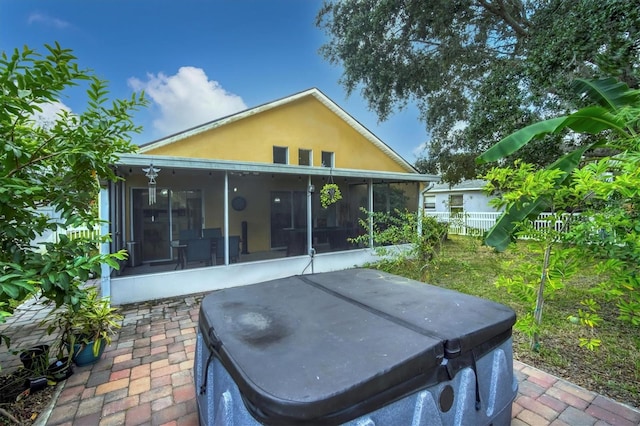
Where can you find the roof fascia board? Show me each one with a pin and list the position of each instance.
(366, 133)
(237, 166)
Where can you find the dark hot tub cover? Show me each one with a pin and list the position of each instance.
(326, 348)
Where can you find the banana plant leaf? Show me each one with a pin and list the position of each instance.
(501, 233)
(607, 92)
(591, 120)
(610, 95)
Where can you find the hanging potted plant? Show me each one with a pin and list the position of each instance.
(329, 194)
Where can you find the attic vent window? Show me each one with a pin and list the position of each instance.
(327, 159)
(304, 157)
(280, 155)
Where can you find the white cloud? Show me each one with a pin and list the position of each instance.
(49, 114)
(187, 99)
(47, 20)
(418, 151)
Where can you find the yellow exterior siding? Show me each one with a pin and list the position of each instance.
(276, 199)
(305, 123)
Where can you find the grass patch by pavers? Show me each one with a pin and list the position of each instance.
(613, 370)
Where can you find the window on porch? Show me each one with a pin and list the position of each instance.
(156, 225)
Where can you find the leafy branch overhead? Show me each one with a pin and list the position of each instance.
(56, 162)
(607, 120)
(479, 70)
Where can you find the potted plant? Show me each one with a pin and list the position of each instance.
(86, 329)
(329, 194)
(36, 358)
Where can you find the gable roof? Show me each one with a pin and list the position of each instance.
(465, 185)
(314, 92)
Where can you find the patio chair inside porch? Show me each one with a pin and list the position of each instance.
(212, 233)
(199, 250)
(188, 234)
(234, 249)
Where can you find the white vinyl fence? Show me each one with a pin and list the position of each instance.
(53, 236)
(476, 223)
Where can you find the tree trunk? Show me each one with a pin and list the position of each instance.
(540, 299)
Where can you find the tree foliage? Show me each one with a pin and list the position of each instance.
(401, 236)
(604, 191)
(56, 163)
(480, 69)
(612, 123)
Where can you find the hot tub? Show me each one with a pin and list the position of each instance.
(355, 347)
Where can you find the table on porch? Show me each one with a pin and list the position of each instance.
(182, 253)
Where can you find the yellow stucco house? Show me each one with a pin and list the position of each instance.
(237, 200)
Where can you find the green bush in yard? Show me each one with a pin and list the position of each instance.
(423, 235)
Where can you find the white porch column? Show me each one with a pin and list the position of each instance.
(309, 218)
(420, 212)
(370, 207)
(103, 215)
(226, 217)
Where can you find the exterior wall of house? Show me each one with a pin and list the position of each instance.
(473, 201)
(302, 124)
(305, 123)
(124, 290)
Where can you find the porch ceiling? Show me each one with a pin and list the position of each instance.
(193, 164)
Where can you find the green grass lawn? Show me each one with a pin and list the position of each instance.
(612, 370)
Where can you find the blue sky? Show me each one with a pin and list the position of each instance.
(197, 60)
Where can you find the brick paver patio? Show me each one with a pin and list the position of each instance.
(146, 377)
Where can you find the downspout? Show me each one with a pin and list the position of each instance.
(105, 248)
(226, 217)
(122, 191)
(421, 205)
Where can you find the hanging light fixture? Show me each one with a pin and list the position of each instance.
(151, 173)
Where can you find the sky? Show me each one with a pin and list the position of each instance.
(197, 60)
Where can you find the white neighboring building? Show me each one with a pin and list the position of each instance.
(467, 196)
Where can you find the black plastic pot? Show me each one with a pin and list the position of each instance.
(60, 370)
(35, 359)
(36, 383)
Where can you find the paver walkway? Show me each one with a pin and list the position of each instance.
(146, 377)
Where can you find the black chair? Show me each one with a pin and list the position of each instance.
(212, 233)
(199, 250)
(188, 234)
(234, 248)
